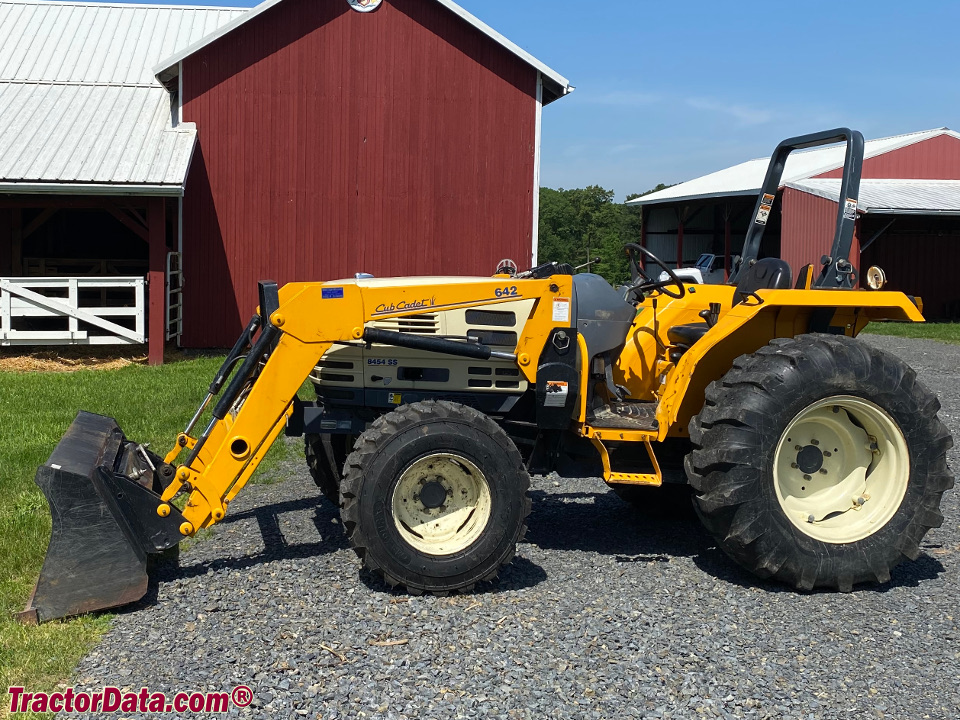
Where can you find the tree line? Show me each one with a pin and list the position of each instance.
(577, 226)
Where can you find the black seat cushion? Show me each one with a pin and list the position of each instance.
(686, 335)
(766, 274)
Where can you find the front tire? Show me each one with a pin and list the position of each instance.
(434, 497)
(820, 462)
(326, 455)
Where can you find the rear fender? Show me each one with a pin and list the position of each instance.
(750, 325)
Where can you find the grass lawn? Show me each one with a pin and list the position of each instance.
(942, 331)
(151, 404)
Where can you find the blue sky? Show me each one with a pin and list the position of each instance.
(668, 90)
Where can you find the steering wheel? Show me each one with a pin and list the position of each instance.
(648, 284)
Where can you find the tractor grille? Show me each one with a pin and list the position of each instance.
(416, 324)
(337, 371)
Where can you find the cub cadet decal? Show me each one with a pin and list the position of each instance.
(384, 309)
(507, 293)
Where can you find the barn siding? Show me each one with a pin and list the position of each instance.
(935, 159)
(807, 228)
(398, 142)
(922, 264)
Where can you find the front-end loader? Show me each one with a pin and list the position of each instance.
(814, 459)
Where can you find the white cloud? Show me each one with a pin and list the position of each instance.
(622, 98)
(744, 114)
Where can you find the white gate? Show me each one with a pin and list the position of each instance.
(174, 296)
(72, 311)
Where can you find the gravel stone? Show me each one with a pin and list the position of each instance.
(607, 611)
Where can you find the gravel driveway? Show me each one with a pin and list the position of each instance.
(606, 612)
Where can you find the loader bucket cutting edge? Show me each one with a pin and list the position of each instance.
(103, 495)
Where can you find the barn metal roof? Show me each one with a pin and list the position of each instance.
(893, 197)
(555, 84)
(746, 178)
(80, 109)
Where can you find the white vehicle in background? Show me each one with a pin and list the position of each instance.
(708, 270)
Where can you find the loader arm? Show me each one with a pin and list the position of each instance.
(309, 318)
(111, 499)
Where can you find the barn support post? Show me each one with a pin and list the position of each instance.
(643, 235)
(726, 243)
(156, 279)
(680, 216)
(16, 243)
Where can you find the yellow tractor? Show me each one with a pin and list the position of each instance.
(813, 458)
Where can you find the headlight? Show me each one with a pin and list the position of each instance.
(876, 278)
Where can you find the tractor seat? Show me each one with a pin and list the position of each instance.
(687, 335)
(766, 274)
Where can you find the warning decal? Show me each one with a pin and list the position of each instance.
(557, 392)
(561, 309)
(766, 207)
(850, 209)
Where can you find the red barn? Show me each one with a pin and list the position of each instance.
(339, 136)
(908, 222)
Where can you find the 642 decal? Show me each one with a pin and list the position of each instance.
(510, 291)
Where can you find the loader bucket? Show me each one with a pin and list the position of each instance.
(103, 492)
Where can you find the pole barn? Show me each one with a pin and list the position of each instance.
(908, 220)
(336, 137)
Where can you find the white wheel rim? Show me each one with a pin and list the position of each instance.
(464, 506)
(841, 469)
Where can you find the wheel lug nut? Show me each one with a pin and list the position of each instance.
(797, 448)
(827, 453)
(823, 471)
(807, 477)
(814, 442)
(794, 466)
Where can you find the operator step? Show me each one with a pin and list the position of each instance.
(624, 416)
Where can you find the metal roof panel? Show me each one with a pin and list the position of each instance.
(90, 134)
(746, 178)
(892, 196)
(78, 101)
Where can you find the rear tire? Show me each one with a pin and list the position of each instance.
(326, 456)
(435, 497)
(820, 462)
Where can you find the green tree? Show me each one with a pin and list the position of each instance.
(577, 226)
(580, 225)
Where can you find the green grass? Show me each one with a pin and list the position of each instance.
(151, 404)
(942, 331)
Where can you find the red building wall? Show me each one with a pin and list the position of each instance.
(807, 228)
(397, 142)
(935, 159)
(921, 263)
